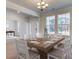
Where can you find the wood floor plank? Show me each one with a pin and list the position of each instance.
(10, 50)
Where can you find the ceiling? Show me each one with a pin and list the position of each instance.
(53, 4)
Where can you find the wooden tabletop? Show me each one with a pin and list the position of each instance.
(43, 45)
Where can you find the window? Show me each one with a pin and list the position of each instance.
(64, 23)
(50, 24)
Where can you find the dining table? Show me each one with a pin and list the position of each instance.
(44, 46)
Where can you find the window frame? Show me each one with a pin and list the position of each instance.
(56, 26)
(64, 24)
(52, 25)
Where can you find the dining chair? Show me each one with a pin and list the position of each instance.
(61, 44)
(62, 52)
(68, 48)
(23, 52)
(55, 36)
(27, 37)
(67, 45)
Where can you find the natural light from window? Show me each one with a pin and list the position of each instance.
(50, 24)
(62, 25)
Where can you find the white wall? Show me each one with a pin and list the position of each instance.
(12, 18)
(20, 23)
(34, 26)
(11, 25)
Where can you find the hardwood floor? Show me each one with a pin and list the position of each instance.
(10, 50)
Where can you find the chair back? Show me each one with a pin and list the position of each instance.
(68, 48)
(22, 49)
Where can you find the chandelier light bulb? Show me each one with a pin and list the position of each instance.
(43, 6)
(46, 5)
(38, 4)
(42, 2)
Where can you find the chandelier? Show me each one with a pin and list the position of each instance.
(42, 5)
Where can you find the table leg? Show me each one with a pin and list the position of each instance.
(43, 55)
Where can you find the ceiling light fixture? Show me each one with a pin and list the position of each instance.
(42, 5)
